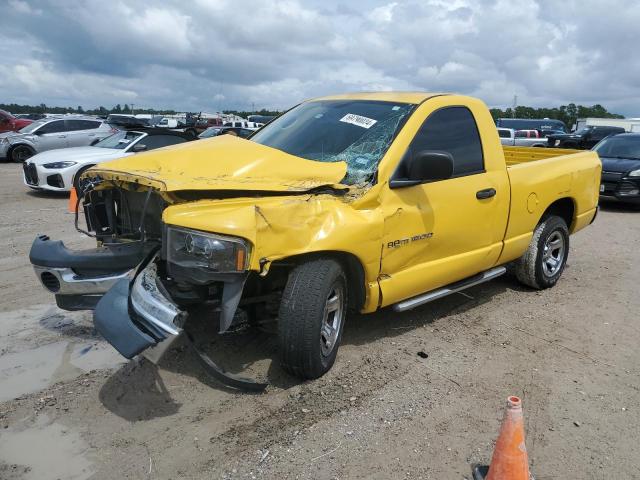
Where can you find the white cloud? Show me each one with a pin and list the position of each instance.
(225, 54)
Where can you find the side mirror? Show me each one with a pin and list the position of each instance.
(425, 166)
(139, 147)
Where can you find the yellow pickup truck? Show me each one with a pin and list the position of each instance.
(347, 203)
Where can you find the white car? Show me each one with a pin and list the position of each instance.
(59, 170)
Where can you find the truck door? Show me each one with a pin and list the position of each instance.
(440, 232)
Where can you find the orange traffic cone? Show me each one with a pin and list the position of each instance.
(509, 460)
(73, 201)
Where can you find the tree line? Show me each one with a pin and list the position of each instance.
(569, 114)
(102, 111)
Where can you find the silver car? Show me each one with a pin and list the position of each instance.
(52, 133)
(511, 137)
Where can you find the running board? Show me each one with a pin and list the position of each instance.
(418, 300)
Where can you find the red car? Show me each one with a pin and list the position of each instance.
(9, 123)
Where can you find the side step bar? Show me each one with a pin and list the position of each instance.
(418, 300)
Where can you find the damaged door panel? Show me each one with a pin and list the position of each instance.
(345, 203)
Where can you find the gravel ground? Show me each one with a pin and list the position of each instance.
(414, 395)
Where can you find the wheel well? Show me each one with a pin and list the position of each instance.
(352, 268)
(563, 208)
(80, 171)
(13, 147)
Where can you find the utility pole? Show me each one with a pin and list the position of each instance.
(253, 107)
(133, 112)
(515, 104)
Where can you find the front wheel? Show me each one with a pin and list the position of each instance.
(20, 153)
(543, 263)
(311, 317)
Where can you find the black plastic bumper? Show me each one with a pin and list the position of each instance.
(104, 260)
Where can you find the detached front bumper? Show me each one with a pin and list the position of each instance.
(133, 316)
(79, 278)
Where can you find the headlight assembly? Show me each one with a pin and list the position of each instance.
(634, 173)
(216, 253)
(59, 164)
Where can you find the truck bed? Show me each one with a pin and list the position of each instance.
(539, 177)
(517, 155)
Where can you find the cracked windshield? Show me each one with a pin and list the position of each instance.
(357, 132)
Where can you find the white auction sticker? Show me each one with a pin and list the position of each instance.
(358, 120)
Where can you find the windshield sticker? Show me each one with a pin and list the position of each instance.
(358, 120)
(395, 108)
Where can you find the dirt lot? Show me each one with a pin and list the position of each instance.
(72, 408)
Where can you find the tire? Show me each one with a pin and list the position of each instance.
(311, 317)
(20, 153)
(76, 178)
(543, 263)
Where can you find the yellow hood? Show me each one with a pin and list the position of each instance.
(223, 163)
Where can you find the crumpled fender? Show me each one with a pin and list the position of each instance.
(282, 227)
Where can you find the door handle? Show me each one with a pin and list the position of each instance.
(486, 193)
(62, 136)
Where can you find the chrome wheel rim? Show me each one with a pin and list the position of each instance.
(553, 254)
(332, 320)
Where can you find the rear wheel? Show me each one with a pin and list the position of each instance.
(311, 317)
(543, 263)
(20, 153)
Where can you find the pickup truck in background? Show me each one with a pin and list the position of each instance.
(585, 138)
(521, 138)
(351, 202)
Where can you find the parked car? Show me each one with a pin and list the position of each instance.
(30, 116)
(620, 157)
(243, 124)
(215, 131)
(508, 136)
(540, 124)
(209, 122)
(127, 121)
(59, 170)
(9, 123)
(52, 133)
(261, 119)
(346, 203)
(584, 139)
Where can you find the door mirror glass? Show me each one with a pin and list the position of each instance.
(426, 166)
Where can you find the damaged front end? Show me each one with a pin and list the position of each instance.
(144, 277)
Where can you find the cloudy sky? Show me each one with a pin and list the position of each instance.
(214, 54)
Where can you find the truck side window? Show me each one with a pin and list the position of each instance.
(452, 130)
